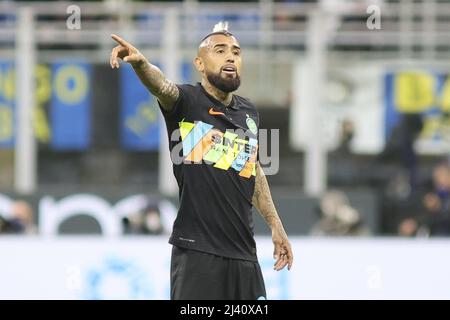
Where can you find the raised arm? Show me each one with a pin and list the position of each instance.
(151, 76)
(262, 200)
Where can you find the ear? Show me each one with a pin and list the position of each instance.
(199, 64)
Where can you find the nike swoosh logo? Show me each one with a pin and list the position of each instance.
(215, 113)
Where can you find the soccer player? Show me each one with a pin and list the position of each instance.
(220, 178)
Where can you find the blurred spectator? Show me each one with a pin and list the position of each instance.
(399, 148)
(408, 227)
(395, 173)
(343, 169)
(338, 217)
(437, 202)
(434, 220)
(147, 221)
(19, 221)
(346, 136)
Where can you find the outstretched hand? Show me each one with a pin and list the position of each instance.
(282, 252)
(126, 52)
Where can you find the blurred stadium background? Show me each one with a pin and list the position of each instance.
(360, 93)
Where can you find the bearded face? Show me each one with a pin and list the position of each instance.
(220, 61)
(224, 81)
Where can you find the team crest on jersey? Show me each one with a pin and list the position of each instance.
(251, 125)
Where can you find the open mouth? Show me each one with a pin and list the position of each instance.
(229, 69)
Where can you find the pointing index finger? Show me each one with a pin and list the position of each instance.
(120, 41)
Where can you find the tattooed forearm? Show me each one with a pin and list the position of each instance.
(152, 77)
(262, 200)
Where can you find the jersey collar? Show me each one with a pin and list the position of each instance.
(234, 102)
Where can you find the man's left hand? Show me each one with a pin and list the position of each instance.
(283, 251)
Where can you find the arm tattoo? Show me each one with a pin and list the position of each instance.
(262, 200)
(165, 90)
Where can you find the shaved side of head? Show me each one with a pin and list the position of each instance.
(205, 46)
(208, 42)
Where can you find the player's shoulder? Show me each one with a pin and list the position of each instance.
(187, 87)
(188, 91)
(245, 102)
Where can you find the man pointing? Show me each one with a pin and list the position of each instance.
(220, 179)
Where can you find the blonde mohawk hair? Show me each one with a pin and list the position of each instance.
(219, 28)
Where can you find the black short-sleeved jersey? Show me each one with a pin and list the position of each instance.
(214, 150)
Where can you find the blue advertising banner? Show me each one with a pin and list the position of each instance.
(139, 126)
(70, 106)
(422, 93)
(7, 104)
(140, 118)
